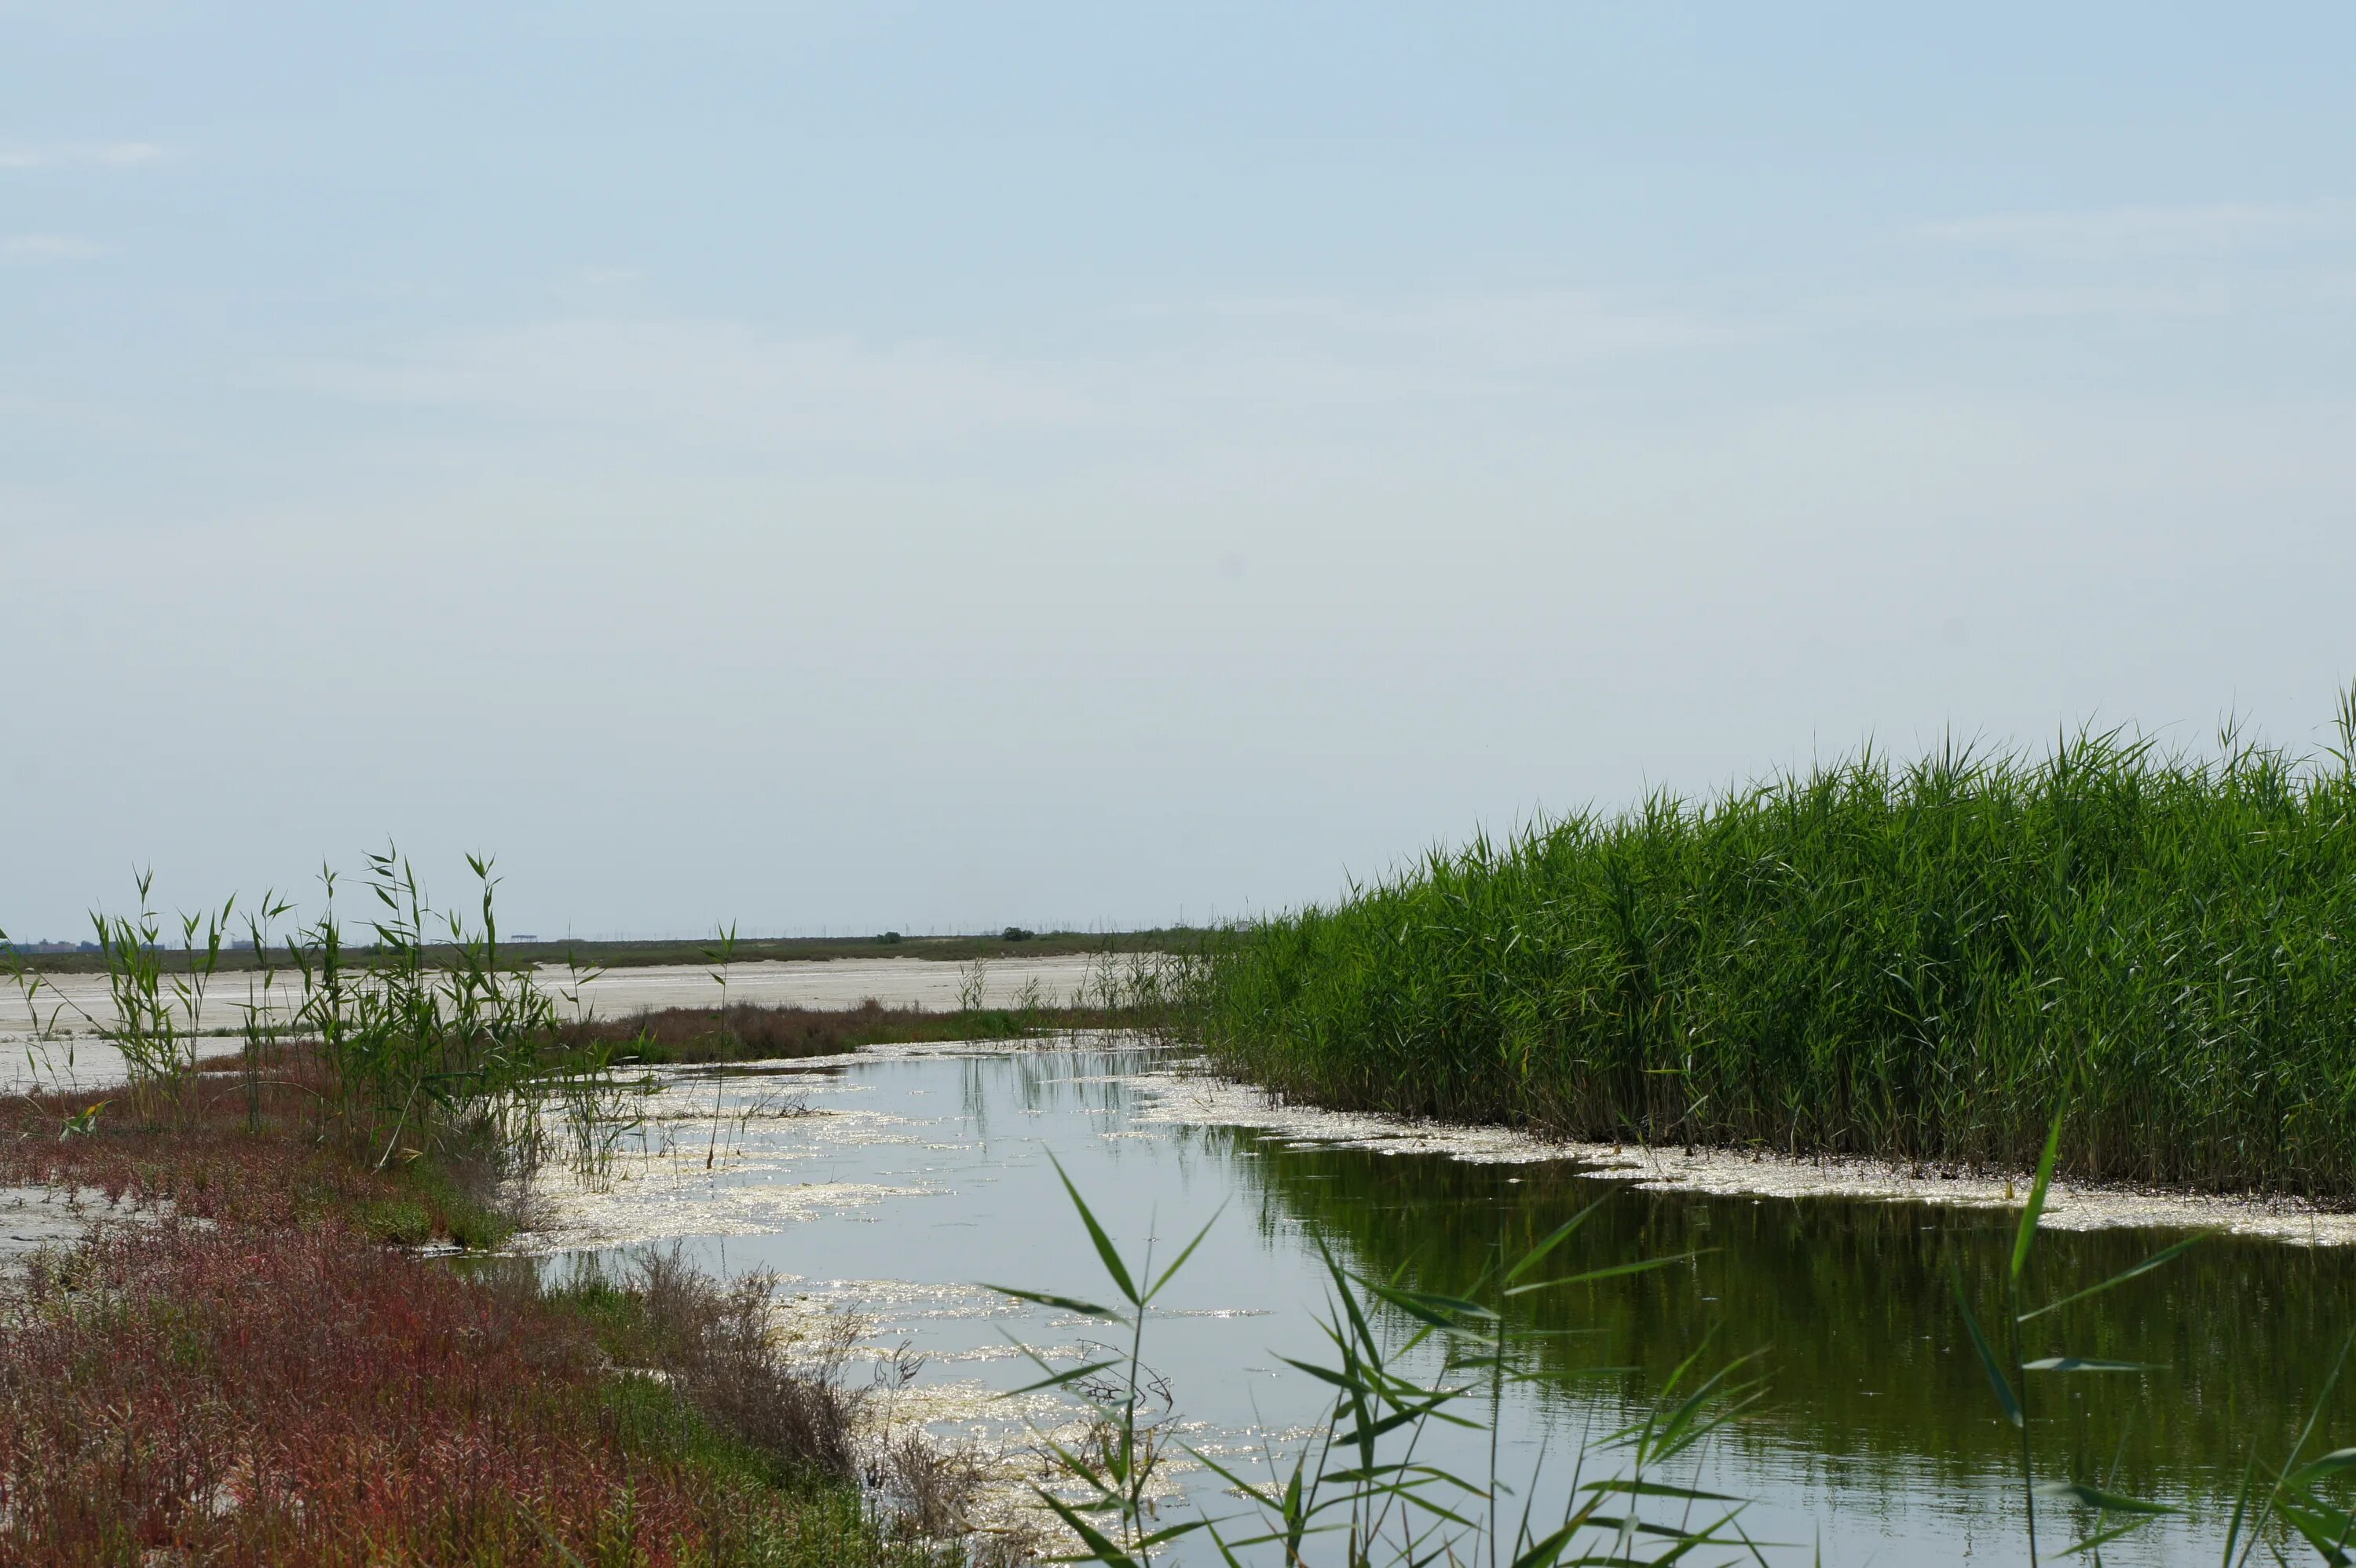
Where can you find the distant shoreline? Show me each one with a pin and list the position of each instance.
(525, 954)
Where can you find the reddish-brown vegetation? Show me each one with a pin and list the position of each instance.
(297, 1395)
(773, 1033)
(238, 1154)
(256, 1377)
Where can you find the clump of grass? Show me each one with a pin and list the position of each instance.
(421, 1038)
(932, 1486)
(719, 1346)
(2279, 1506)
(2107, 1513)
(241, 1368)
(1866, 959)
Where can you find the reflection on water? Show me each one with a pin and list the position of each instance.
(896, 1182)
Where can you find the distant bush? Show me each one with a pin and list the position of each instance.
(890, 938)
(1016, 933)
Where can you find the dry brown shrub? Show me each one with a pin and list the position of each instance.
(721, 1348)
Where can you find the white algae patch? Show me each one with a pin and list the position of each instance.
(1188, 1095)
(1005, 1438)
(2067, 1206)
(628, 1212)
(685, 1169)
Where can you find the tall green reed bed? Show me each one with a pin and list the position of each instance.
(1874, 959)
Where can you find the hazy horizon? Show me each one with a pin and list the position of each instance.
(853, 468)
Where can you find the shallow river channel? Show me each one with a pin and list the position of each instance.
(894, 1184)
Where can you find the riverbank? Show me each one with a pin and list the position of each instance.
(256, 1349)
(1911, 964)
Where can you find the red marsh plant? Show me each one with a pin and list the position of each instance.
(287, 1395)
(254, 1377)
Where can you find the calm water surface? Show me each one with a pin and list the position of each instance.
(917, 1175)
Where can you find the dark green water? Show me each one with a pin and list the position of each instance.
(927, 1170)
(1853, 1301)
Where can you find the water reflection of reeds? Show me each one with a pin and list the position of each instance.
(1852, 1299)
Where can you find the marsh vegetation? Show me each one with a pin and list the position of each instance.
(242, 1364)
(2109, 961)
(1901, 961)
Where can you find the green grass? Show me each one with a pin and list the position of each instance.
(1905, 961)
(430, 1204)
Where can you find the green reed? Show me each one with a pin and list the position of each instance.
(2290, 1507)
(1367, 1483)
(1366, 1486)
(159, 1008)
(1867, 958)
(417, 1037)
(721, 955)
(423, 1032)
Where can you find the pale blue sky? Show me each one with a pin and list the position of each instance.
(938, 466)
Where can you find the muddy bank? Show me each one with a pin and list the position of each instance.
(32, 1218)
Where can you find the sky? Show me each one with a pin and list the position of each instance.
(849, 467)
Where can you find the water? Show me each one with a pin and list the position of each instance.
(901, 1183)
